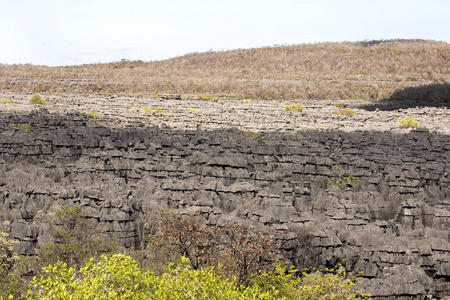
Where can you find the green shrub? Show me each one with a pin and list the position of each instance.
(339, 179)
(408, 122)
(5, 100)
(339, 105)
(95, 114)
(76, 238)
(24, 127)
(255, 136)
(120, 277)
(36, 99)
(294, 107)
(193, 110)
(344, 112)
(9, 280)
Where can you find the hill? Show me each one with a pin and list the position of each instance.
(361, 70)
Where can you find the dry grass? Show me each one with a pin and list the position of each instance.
(365, 70)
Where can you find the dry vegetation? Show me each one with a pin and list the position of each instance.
(364, 70)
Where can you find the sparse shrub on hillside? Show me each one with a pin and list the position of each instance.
(345, 112)
(36, 99)
(297, 107)
(159, 111)
(338, 178)
(193, 110)
(5, 100)
(24, 127)
(408, 122)
(95, 114)
(207, 97)
(255, 136)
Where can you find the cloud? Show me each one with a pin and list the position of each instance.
(85, 59)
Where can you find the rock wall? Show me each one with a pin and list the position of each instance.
(394, 227)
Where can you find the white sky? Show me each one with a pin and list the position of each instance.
(61, 32)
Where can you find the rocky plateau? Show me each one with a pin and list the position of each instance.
(194, 156)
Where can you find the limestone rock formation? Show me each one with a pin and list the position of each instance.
(392, 225)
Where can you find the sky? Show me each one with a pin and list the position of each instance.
(60, 32)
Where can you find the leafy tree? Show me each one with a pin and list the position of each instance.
(76, 238)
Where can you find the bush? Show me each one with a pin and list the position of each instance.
(255, 136)
(5, 100)
(24, 127)
(408, 122)
(95, 114)
(76, 238)
(10, 282)
(344, 112)
(36, 99)
(193, 110)
(294, 107)
(120, 277)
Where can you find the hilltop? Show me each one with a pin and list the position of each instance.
(359, 70)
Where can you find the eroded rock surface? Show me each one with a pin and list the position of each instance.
(394, 227)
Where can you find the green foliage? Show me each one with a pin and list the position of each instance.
(9, 280)
(339, 105)
(207, 97)
(120, 277)
(339, 179)
(5, 100)
(159, 110)
(24, 127)
(95, 114)
(36, 99)
(193, 110)
(344, 112)
(76, 238)
(147, 110)
(408, 122)
(113, 277)
(255, 136)
(294, 107)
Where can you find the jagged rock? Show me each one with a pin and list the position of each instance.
(393, 228)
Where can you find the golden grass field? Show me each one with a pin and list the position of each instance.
(395, 69)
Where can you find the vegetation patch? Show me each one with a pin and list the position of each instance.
(408, 122)
(193, 110)
(255, 136)
(37, 100)
(296, 107)
(24, 127)
(338, 178)
(95, 114)
(345, 112)
(5, 100)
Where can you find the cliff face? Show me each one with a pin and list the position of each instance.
(389, 219)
